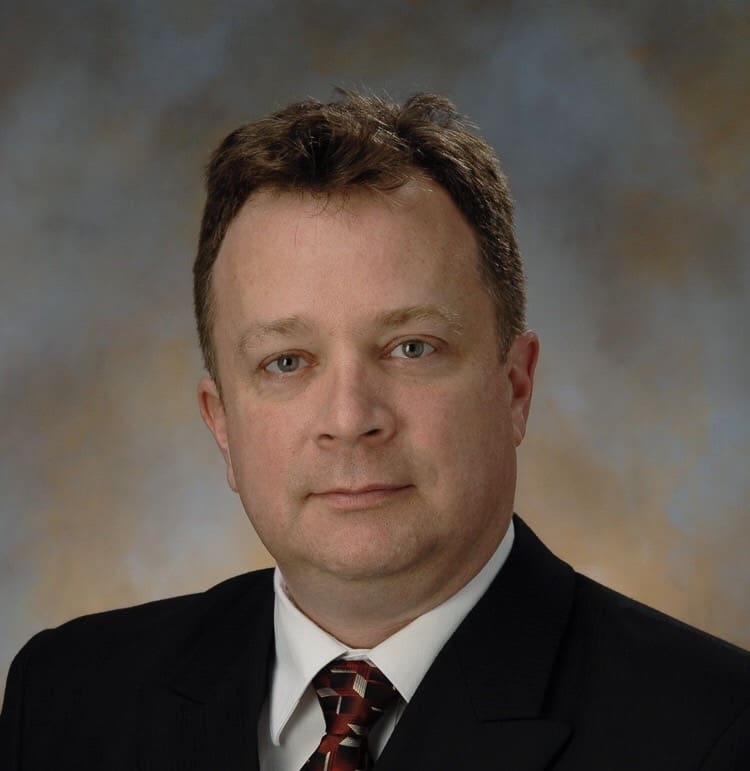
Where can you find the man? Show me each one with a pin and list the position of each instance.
(360, 306)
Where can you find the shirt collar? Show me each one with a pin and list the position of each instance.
(303, 648)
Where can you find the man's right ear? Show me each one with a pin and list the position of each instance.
(214, 416)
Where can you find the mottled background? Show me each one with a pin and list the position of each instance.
(624, 130)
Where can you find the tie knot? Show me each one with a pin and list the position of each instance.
(353, 696)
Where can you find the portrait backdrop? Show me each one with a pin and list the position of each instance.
(623, 129)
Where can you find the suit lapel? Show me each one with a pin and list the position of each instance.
(481, 704)
(204, 713)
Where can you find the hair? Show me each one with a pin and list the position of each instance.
(363, 142)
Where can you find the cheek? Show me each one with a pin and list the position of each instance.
(261, 446)
(264, 464)
(467, 434)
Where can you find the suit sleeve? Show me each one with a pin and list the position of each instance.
(732, 751)
(12, 717)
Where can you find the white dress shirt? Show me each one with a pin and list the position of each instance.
(291, 724)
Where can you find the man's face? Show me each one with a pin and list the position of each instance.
(357, 348)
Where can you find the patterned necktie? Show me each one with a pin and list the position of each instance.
(353, 696)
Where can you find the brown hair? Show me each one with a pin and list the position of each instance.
(365, 142)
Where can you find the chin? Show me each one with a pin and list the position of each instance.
(369, 560)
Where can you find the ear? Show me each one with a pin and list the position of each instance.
(215, 417)
(521, 363)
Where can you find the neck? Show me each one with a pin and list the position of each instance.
(363, 612)
(359, 619)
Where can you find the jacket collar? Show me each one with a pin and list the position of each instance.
(486, 690)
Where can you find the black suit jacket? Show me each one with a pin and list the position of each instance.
(549, 671)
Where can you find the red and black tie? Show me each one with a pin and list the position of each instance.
(353, 696)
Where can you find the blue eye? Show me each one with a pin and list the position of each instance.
(286, 364)
(413, 349)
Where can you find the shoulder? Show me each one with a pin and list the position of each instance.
(612, 643)
(647, 637)
(672, 684)
(142, 635)
(78, 688)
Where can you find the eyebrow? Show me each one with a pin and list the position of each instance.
(440, 313)
(290, 325)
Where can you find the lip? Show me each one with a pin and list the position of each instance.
(350, 499)
(360, 490)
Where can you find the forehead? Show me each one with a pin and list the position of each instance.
(421, 205)
(340, 256)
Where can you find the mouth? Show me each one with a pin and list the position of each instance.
(343, 498)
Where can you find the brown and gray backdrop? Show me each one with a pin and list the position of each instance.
(624, 130)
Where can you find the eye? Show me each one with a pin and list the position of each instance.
(413, 349)
(284, 364)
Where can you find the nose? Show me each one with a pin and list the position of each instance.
(353, 406)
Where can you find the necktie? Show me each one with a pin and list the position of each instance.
(353, 696)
